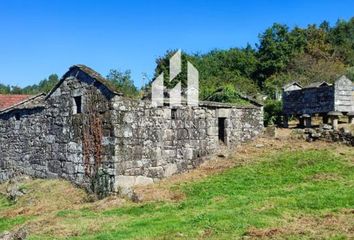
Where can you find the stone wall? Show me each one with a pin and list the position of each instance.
(153, 143)
(82, 145)
(87, 134)
(326, 133)
(22, 143)
(53, 142)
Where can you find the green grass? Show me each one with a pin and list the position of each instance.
(4, 203)
(7, 223)
(224, 206)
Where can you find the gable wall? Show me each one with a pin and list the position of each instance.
(84, 140)
(53, 142)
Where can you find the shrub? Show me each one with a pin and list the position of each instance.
(272, 112)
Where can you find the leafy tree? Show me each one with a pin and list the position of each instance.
(341, 38)
(216, 69)
(227, 94)
(163, 66)
(44, 86)
(123, 82)
(317, 44)
(277, 47)
(307, 55)
(5, 89)
(16, 90)
(307, 69)
(273, 85)
(350, 73)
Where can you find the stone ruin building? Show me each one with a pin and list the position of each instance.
(323, 99)
(86, 132)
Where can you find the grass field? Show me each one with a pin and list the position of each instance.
(301, 193)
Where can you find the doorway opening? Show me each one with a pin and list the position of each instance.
(221, 125)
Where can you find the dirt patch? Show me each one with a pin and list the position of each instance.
(262, 233)
(319, 227)
(45, 196)
(324, 177)
(156, 193)
(106, 203)
(206, 233)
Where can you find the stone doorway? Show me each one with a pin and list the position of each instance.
(221, 125)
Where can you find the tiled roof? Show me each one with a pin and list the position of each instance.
(8, 100)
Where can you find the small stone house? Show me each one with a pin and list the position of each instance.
(86, 132)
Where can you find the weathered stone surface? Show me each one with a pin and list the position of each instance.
(19, 234)
(170, 169)
(112, 142)
(342, 135)
(323, 99)
(142, 181)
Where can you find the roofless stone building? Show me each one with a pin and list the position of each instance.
(87, 133)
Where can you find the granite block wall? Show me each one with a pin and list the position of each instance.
(152, 143)
(56, 142)
(85, 133)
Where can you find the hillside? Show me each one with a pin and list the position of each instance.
(273, 188)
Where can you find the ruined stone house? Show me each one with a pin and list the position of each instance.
(86, 132)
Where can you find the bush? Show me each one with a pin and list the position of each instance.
(272, 112)
(227, 94)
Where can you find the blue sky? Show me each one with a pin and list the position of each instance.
(40, 37)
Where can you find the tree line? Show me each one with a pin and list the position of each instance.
(121, 80)
(283, 55)
(307, 55)
(310, 54)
